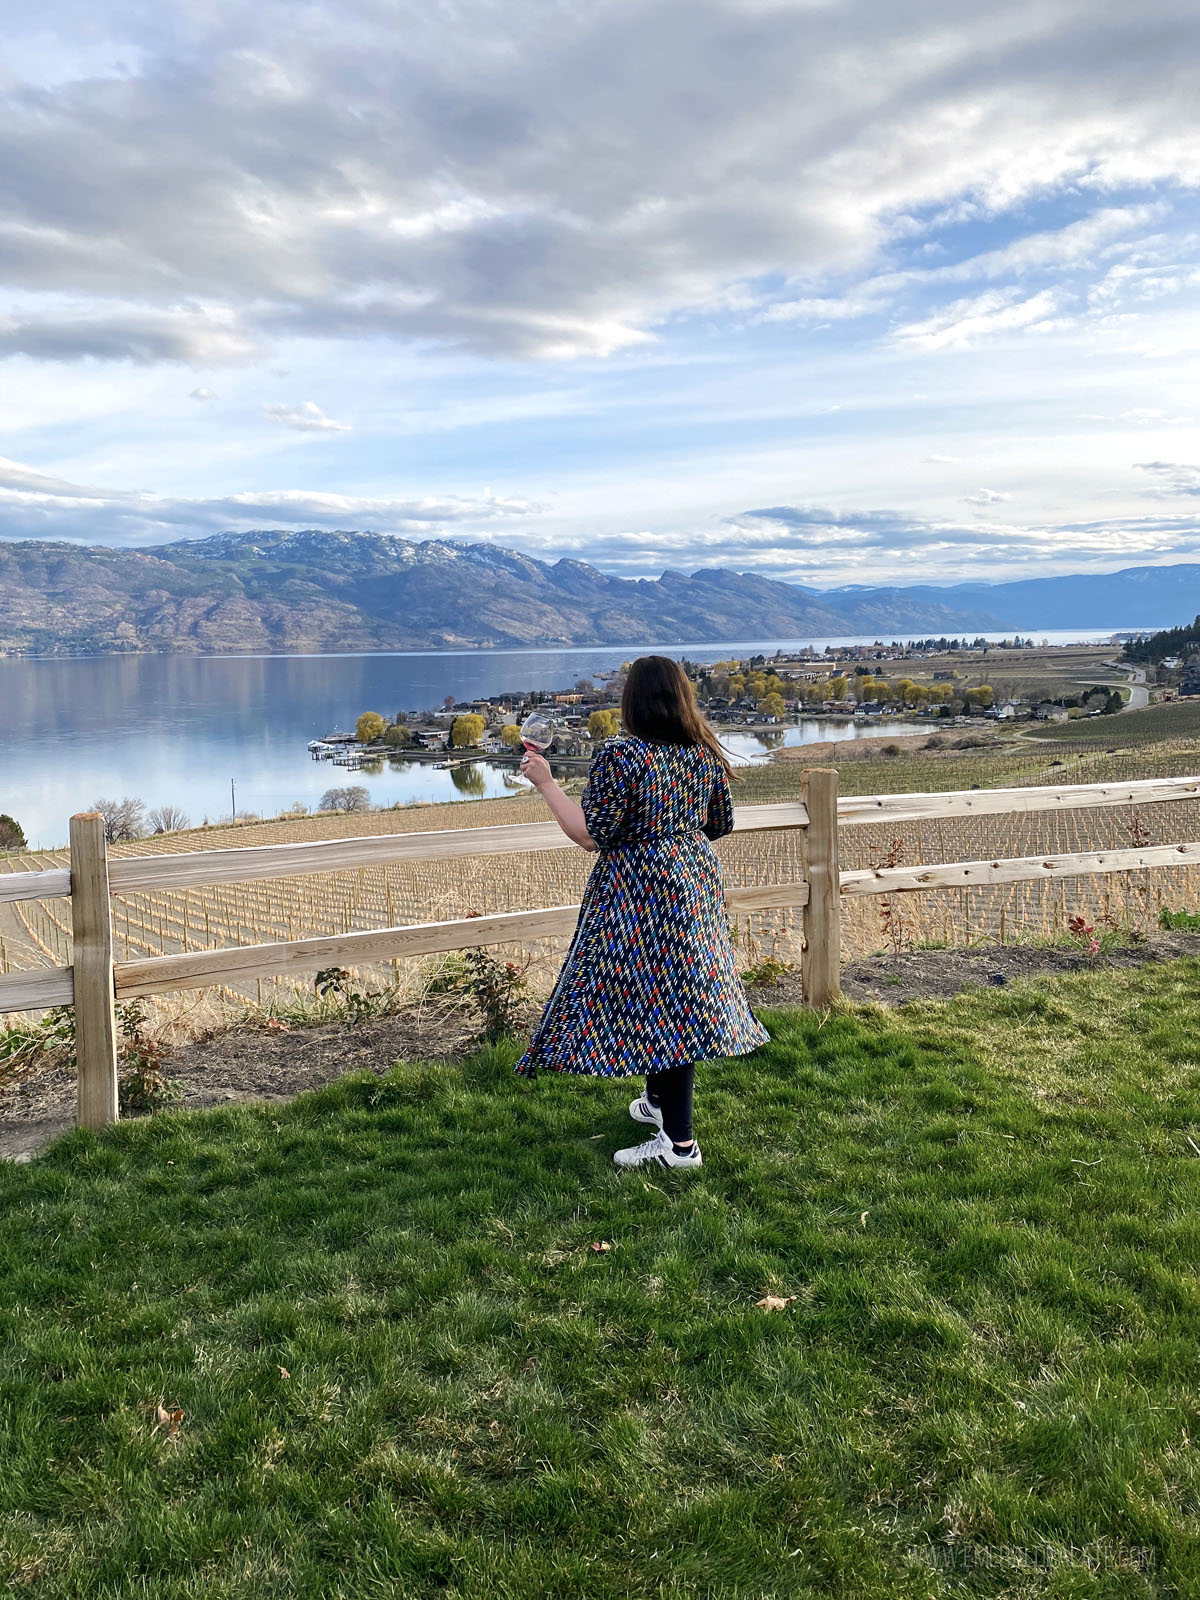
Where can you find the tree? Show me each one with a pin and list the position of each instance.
(467, 730)
(12, 835)
(838, 687)
(772, 705)
(604, 725)
(123, 819)
(584, 686)
(510, 736)
(369, 728)
(397, 736)
(467, 779)
(448, 703)
(984, 696)
(167, 819)
(355, 798)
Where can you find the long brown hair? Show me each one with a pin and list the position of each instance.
(658, 705)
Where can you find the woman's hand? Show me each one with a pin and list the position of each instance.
(536, 768)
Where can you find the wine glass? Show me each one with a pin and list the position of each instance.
(537, 732)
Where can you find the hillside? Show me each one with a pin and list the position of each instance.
(308, 591)
(1136, 597)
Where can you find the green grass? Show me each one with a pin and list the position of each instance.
(986, 1212)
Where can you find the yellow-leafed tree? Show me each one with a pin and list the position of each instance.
(604, 724)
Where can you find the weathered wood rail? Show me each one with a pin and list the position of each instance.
(94, 982)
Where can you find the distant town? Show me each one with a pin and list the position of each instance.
(951, 680)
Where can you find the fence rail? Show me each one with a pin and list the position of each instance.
(94, 982)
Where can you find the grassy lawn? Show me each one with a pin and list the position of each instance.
(404, 1371)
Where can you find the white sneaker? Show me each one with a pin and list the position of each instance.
(641, 1110)
(660, 1152)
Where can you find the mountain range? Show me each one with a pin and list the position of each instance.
(310, 591)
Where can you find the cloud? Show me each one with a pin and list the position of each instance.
(1172, 477)
(202, 394)
(967, 322)
(985, 497)
(941, 461)
(482, 180)
(36, 505)
(18, 479)
(307, 417)
(820, 544)
(143, 337)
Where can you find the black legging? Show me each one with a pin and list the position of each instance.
(671, 1092)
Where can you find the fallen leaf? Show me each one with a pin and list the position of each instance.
(862, 1221)
(774, 1302)
(169, 1419)
(284, 1373)
(600, 1246)
(277, 1025)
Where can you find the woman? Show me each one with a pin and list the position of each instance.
(650, 984)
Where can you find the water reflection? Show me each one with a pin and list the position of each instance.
(178, 730)
(759, 743)
(469, 780)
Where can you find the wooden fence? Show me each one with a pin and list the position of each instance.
(93, 983)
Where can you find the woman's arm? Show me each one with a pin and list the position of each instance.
(566, 812)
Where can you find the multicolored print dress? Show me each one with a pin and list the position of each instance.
(650, 980)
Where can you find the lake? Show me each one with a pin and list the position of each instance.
(180, 729)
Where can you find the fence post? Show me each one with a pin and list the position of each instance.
(92, 960)
(822, 953)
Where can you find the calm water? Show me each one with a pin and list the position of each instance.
(176, 730)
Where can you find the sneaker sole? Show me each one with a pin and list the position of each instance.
(659, 1161)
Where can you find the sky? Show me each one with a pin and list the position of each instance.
(832, 291)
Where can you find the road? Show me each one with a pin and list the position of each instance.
(1139, 694)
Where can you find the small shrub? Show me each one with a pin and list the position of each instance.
(142, 1084)
(497, 987)
(51, 1038)
(1084, 933)
(360, 1003)
(1181, 921)
(448, 974)
(765, 973)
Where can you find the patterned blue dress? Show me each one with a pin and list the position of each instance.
(650, 980)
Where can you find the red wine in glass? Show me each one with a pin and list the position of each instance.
(537, 732)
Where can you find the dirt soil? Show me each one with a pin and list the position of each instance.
(894, 980)
(257, 1064)
(246, 1063)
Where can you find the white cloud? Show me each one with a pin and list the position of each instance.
(307, 417)
(986, 497)
(992, 314)
(142, 336)
(1172, 477)
(202, 394)
(37, 505)
(539, 182)
(940, 461)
